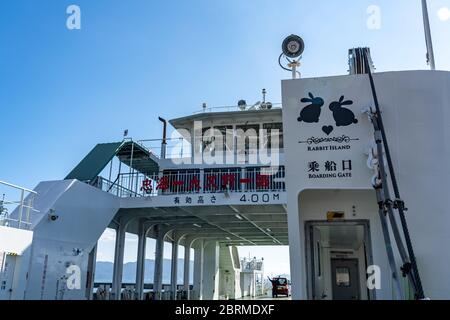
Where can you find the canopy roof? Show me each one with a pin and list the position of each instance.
(128, 152)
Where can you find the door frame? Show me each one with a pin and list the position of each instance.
(309, 250)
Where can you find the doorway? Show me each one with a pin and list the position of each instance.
(337, 256)
(345, 279)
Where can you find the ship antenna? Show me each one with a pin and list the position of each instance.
(428, 40)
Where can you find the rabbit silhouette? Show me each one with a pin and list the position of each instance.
(311, 112)
(342, 116)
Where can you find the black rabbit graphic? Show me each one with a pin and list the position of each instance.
(311, 112)
(342, 116)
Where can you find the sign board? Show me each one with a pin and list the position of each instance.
(207, 199)
(326, 134)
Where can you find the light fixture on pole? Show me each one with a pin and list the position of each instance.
(293, 47)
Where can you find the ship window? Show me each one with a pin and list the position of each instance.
(274, 181)
(181, 181)
(273, 131)
(227, 136)
(343, 277)
(219, 133)
(216, 180)
(207, 138)
(247, 137)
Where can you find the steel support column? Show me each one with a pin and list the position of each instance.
(174, 270)
(159, 259)
(198, 271)
(118, 260)
(140, 268)
(187, 265)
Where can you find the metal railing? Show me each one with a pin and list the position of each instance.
(236, 108)
(115, 187)
(195, 181)
(253, 264)
(24, 207)
(102, 291)
(176, 148)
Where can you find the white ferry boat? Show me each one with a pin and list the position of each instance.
(351, 172)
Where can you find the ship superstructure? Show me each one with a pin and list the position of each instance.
(178, 191)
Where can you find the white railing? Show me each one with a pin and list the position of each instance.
(115, 187)
(176, 148)
(194, 181)
(24, 207)
(102, 291)
(236, 108)
(251, 265)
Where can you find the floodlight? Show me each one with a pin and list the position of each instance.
(293, 46)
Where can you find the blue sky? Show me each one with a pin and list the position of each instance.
(62, 91)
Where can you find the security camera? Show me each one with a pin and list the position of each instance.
(293, 46)
(52, 216)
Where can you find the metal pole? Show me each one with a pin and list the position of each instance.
(174, 270)
(22, 196)
(140, 269)
(164, 139)
(110, 169)
(385, 207)
(187, 261)
(130, 176)
(428, 40)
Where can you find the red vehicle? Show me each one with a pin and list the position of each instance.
(280, 286)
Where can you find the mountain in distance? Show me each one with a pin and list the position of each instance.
(104, 271)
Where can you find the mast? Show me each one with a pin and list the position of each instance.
(428, 40)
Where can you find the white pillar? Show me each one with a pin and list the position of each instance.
(174, 270)
(118, 260)
(140, 268)
(198, 271)
(254, 283)
(187, 266)
(210, 285)
(159, 259)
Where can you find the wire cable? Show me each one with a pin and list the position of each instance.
(419, 289)
(283, 67)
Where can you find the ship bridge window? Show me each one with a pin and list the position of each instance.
(247, 137)
(265, 178)
(217, 134)
(272, 133)
(180, 181)
(222, 179)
